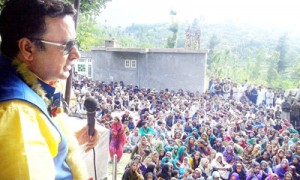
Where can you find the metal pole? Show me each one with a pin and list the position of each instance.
(69, 80)
(115, 167)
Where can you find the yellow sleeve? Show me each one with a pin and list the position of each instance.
(74, 158)
(28, 142)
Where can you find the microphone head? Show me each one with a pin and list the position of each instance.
(90, 104)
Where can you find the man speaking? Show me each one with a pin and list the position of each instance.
(38, 49)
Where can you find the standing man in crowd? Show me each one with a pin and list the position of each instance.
(295, 113)
(38, 49)
(286, 109)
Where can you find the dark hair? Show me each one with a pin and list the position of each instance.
(26, 18)
(174, 173)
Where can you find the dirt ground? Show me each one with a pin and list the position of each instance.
(120, 167)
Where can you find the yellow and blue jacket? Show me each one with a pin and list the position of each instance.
(32, 145)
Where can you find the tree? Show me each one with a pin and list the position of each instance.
(172, 39)
(272, 73)
(88, 13)
(224, 64)
(213, 42)
(282, 48)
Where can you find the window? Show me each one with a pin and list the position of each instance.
(89, 70)
(127, 63)
(81, 67)
(130, 63)
(133, 63)
(84, 67)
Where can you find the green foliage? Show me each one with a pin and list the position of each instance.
(88, 13)
(91, 7)
(223, 64)
(2, 3)
(154, 35)
(282, 49)
(85, 32)
(172, 39)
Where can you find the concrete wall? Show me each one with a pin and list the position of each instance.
(155, 68)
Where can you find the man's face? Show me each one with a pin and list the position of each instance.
(51, 64)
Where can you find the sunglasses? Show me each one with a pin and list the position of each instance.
(67, 48)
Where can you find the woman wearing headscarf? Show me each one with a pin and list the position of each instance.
(143, 147)
(294, 173)
(264, 157)
(256, 150)
(159, 145)
(165, 173)
(118, 139)
(238, 168)
(174, 151)
(190, 145)
(150, 176)
(142, 166)
(266, 170)
(167, 158)
(178, 142)
(152, 158)
(234, 176)
(133, 172)
(282, 168)
(185, 165)
(195, 133)
(229, 154)
(205, 137)
(288, 176)
(254, 172)
(296, 162)
(219, 164)
(211, 136)
(248, 156)
(162, 154)
(205, 167)
(181, 154)
(218, 146)
(273, 176)
(277, 159)
(289, 155)
(242, 142)
(151, 168)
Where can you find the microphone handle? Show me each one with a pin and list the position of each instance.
(91, 123)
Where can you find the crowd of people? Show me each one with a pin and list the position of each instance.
(232, 131)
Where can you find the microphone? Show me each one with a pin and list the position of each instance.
(91, 105)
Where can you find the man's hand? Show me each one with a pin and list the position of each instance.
(90, 141)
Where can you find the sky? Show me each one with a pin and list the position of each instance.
(283, 13)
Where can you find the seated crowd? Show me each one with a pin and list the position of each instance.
(224, 133)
